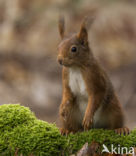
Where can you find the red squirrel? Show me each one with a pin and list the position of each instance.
(88, 100)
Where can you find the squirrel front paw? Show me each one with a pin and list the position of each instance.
(65, 110)
(87, 122)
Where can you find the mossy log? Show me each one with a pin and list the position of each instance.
(22, 133)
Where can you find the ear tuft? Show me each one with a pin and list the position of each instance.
(88, 21)
(61, 25)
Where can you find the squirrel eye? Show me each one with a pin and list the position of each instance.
(73, 49)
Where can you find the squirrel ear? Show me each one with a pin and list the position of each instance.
(61, 26)
(83, 34)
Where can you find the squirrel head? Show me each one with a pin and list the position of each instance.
(74, 49)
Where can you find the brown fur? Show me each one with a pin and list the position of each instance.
(98, 86)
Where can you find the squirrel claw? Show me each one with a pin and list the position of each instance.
(124, 131)
(64, 131)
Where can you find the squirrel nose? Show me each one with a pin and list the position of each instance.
(60, 61)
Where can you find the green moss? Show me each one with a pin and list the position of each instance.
(20, 130)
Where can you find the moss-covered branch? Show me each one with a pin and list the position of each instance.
(20, 130)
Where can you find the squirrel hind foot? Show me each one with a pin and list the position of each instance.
(123, 130)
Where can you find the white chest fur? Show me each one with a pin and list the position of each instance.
(78, 88)
(76, 82)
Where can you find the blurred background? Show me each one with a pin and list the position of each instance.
(29, 72)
